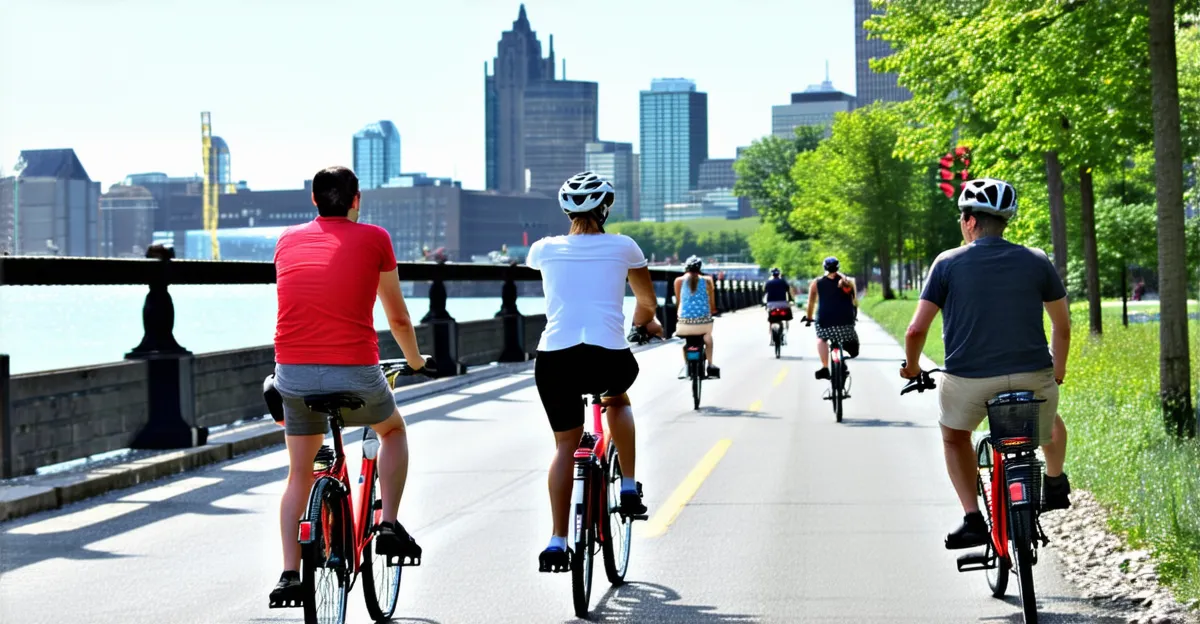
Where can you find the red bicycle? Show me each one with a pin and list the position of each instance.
(1010, 488)
(337, 542)
(597, 489)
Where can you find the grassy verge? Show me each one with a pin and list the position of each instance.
(1118, 449)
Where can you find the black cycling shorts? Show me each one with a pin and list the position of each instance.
(564, 377)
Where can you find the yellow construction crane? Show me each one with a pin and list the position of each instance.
(211, 190)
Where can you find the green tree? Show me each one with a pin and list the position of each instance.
(764, 174)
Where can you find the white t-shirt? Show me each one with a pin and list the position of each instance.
(584, 279)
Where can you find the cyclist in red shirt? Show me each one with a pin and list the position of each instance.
(328, 273)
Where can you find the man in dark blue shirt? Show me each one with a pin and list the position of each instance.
(991, 294)
(778, 297)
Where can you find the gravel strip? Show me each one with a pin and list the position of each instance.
(1106, 570)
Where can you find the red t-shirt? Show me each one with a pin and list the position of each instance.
(327, 275)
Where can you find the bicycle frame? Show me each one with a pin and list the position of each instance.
(593, 448)
(362, 517)
(1002, 490)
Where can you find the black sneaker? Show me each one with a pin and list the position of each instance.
(631, 503)
(1056, 491)
(391, 540)
(823, 373)
(554, 560)
(714, 372)
(288, 592)
(972, 533)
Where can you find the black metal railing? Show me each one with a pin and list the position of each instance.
(169, 363)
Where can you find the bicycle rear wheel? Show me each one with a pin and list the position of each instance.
(697, 371)
(835, 380)
(585, 539)
(325, 559)
(1023, 559)
(618, 529)
(777, 338)
(381, 586)
(997, 577)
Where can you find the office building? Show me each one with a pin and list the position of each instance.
(406, 180)
(537, 125)
(674, 141)
(617, 163)
(816, 106)
(376, 154)
(50, 207)
(717, 179)
(871, 86)
(219, 170)
(462, 223)
(171, 213)
(127, 216)
(717, 173)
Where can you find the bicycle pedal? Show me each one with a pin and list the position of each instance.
(554, 569)
(287, 603)
(637, 516)
(973, 562)
(403, 561)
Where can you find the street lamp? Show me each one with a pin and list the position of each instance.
(17, 169)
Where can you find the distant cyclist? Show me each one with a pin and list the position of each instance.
(991, 294)
(779, 297)
(583, 348)
(697, 304)
(330, 271)
(835, 314)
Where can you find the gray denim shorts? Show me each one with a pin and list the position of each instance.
(296, 381)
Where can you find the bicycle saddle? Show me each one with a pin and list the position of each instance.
(327, 403)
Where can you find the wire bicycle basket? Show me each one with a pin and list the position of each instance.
(1013, 419)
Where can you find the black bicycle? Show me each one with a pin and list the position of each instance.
(1010, 489)
(777, 317)
(839, 375)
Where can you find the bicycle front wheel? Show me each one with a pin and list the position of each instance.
(325, 559)
(381, 586)
(585, 539)
(618, 528)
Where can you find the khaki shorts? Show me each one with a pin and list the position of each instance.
(963, 400)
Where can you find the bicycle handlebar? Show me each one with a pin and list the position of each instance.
(639, 336)
(401, 368)
(922, 382)
(807, 321)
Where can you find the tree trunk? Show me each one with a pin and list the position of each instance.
(1124, 296)
(1087, 194)
(1058, 213)
(885, 270)
(899, 261)
(1175, 375)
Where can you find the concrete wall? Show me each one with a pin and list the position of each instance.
(67, 414)
(228, 385)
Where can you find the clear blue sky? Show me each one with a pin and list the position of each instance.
(288, 82)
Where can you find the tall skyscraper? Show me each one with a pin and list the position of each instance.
(872, 87)
(50, 207)
(376, 154)
(617, 163)
(537, 125)
(674, 141)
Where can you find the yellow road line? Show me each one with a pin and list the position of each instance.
(686, 490)
(755, 406)
(780, 377)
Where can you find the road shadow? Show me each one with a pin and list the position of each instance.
(649, 602)
(876, 422)
(1048, 612)
(725, 412)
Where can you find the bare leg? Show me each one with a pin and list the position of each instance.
(561, 477)
(393, 463)
(1056, 451)
(302, 450)
(708, 345)
(962, 465)
(823, 351)
(620, 424)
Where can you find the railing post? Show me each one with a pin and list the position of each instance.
(170, 379)
(722, 295)
(741, 294)
(670, 310)
(6, 445)
(514, 322)
(445, 329)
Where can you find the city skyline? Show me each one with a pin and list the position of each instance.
(285, 125)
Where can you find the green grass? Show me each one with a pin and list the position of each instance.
(1118, 446)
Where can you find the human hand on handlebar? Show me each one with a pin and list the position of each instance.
(807, 321)
(910, 371)
(428, 368)
(645, 333)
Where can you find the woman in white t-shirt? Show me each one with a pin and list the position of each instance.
(583, 348)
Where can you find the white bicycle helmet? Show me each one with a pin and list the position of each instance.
(989, 196)
(587, 192)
